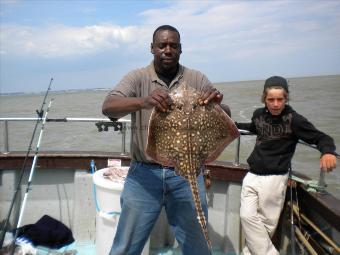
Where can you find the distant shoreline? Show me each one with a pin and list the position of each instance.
(107, 89)
(288, 78)
(53, 92)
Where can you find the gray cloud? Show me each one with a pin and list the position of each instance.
(227, 40)
(64, 41)
(238, 29)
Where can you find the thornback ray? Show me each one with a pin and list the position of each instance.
(188, 136)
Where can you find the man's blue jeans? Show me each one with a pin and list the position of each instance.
(149, 187)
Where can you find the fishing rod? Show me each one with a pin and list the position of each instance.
(295, 229)
(292, 226)
(40, 114)
(29, 182)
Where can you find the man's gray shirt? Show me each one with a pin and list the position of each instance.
(140, 83)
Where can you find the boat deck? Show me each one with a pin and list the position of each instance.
(63, 189)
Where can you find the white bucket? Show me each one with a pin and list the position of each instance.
(108, 199)
(107, 191)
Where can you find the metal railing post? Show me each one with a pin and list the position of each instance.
(6, 143)
(237, 155)
(322, 182)
(123, 150)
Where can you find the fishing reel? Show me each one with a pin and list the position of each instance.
(104, 126)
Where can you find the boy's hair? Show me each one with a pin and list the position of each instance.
(276, 82)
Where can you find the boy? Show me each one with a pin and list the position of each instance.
(278, 128)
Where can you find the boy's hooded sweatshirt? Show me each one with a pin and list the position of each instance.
(277, 137)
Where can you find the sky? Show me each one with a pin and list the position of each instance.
(84, 44)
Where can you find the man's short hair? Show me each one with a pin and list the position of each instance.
(165, 27)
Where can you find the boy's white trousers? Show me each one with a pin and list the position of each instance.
(262, 199)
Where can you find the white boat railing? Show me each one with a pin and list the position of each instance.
(120, 125)
(102, 124)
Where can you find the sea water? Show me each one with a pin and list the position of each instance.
(316, 98)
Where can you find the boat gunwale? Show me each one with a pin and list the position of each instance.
(324, 204)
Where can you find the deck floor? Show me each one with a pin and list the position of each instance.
(88, 248)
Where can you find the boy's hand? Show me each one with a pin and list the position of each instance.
(328, 162)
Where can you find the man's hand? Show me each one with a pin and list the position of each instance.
(159, 98)
(208, 94)
(328, 162)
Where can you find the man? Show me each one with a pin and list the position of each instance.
(150, 186)
(278, 128)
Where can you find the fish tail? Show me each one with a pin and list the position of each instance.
(200, 215)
